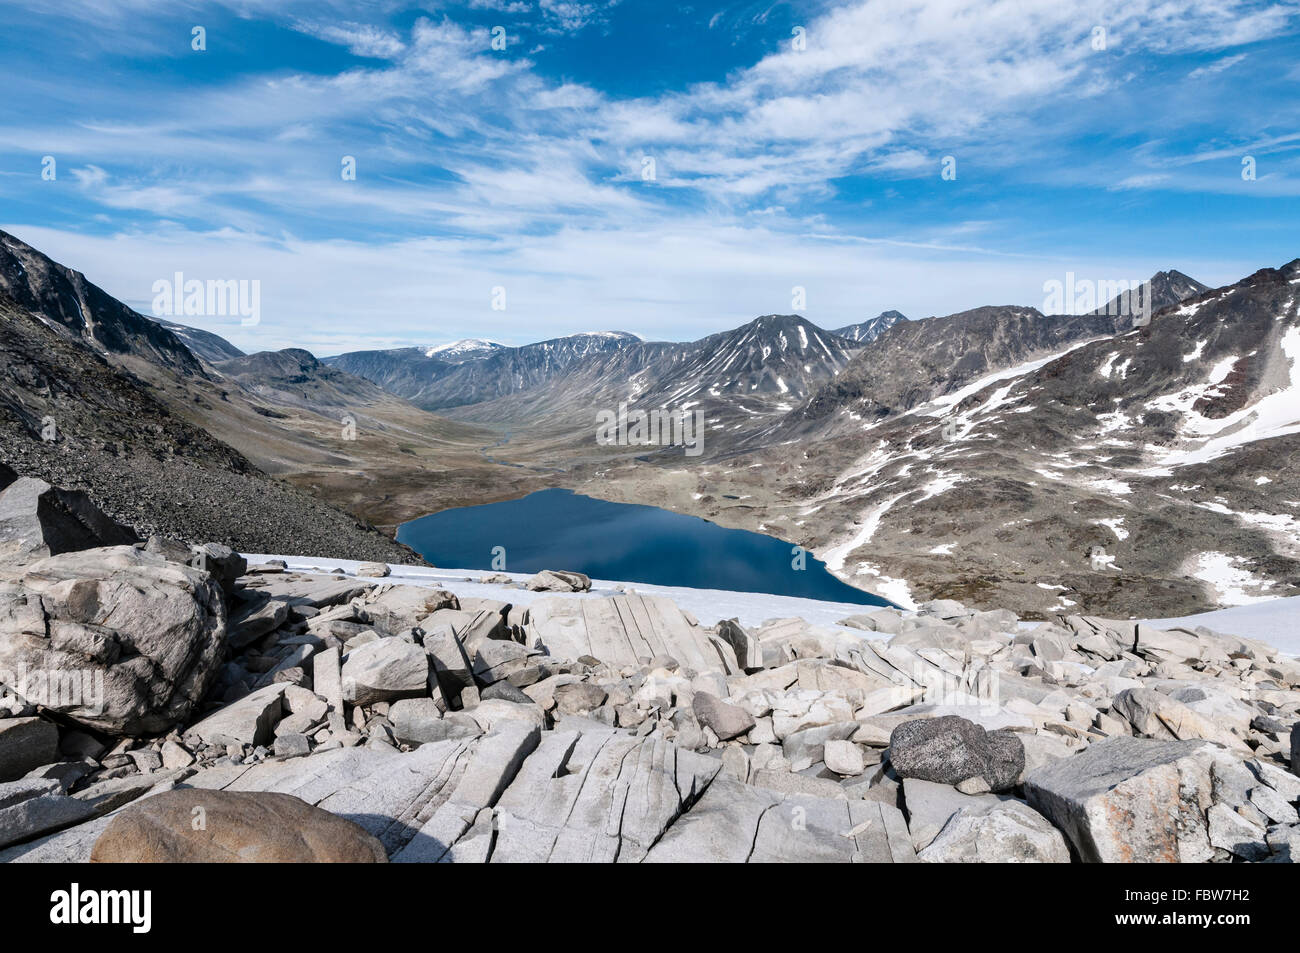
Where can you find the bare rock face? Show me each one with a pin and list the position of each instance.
(1130, 800)
(38, 520)
(116, 639)
(217, 827)
(26, 743)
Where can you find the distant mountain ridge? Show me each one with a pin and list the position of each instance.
(867, 331)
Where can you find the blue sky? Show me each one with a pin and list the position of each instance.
(775, 167)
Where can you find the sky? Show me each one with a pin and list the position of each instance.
(531, 168)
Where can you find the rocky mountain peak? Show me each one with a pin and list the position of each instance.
(64, 298)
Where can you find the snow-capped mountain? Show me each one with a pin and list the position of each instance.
(741, 379)
(867, 331)
(1136, 472)
(770, 364)
(435, 380)
(468, 349)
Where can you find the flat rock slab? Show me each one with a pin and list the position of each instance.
(597, 796)
(624, 630)
(737, 823)
(930, 805)
(1010, 833)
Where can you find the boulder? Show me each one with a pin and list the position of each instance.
(578, 697)
(1236, 834)
(251, 620)
(373, 570)
(116, 639)
(224, 563)
(1010, 833)
(38, 520)
(417, 721)
(195, 826)
(950, 749)
(1156, 715)
(26, 743)
(556, 580)
(495, 712)
(726, 721)
(385, 670)
(249, 721)
(1130, 799)
(844, 758)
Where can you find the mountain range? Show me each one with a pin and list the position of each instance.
(1000, 455)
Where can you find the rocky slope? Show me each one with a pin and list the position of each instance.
(70, 418)
(203, 344)
(441, 725)
(1141, 474)
(67, 301)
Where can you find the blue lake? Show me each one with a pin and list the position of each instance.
(560, 529)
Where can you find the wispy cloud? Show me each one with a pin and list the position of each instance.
(819, 161)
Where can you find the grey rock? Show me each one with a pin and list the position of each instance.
(225, 565)
(144, 638)
(929, 805)
(385, 670)
(249, 721)
(1229, 831)
(1284, 843)
(38, 520)
(1010, 832)
(597, 795)
(146, 760)
(496, 659)
(292, 746)
(254, 618)
(1273, 805)
(578, 697)
(174, 756)
(737, 823)
(505, 691)
(950, 749)
(724, 720)
(555, 580)
(26, 743)
(417, 721)
(844, 758)
(1130, 799)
